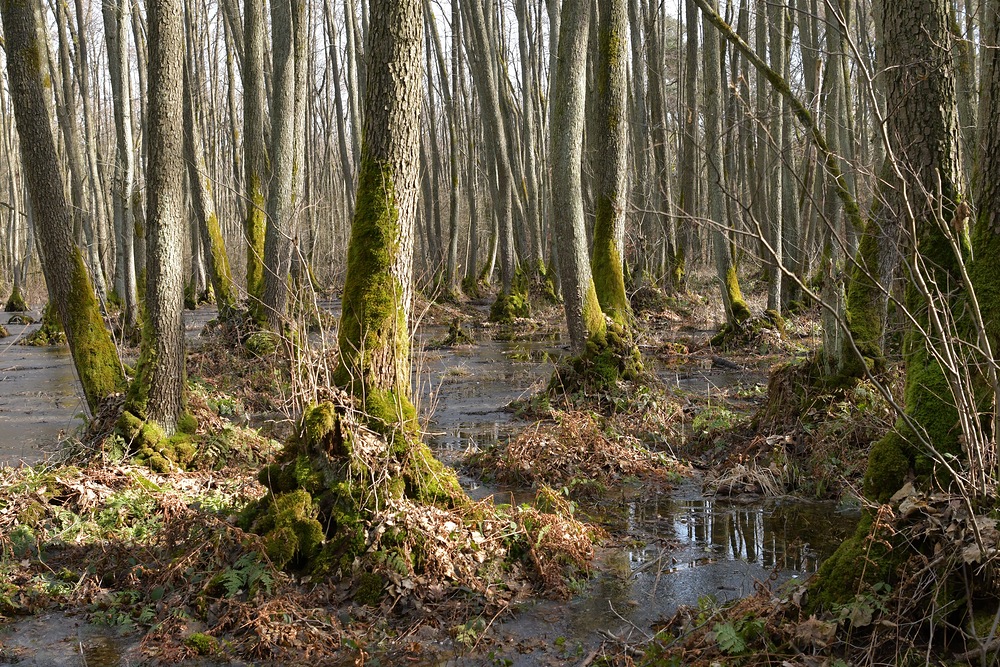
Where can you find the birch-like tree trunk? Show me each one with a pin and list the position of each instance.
(116, 33)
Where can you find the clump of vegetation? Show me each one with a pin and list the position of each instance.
(346, 500)
(751, 331)
(609, 358)
(457, 335)
(577, 451)
(50, 333)
(16, 302)
(907, 588)
(3, 332)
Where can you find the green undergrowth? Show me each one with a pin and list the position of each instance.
(610, 357)
(49, 333)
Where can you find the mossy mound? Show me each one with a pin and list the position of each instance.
(16, 302)
(50, 333)
(509, 306)
(3, 331)
(340, 473)
(152, 447)
(649, 299)
(610, 357)
(749, 331)
(457, 336)
(262, 344)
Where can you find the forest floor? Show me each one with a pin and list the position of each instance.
(687, 490)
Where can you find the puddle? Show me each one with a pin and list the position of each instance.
(39, 396)
(58, 638)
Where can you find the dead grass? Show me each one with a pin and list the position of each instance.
(574, 450)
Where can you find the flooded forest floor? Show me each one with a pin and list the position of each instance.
(692, 490)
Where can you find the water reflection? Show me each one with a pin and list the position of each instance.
(787, 537)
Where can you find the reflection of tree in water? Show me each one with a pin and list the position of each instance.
(785, 537)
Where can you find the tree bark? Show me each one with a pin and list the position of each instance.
(583, 310)
(612, 160)
(159, 389)
(374, 325)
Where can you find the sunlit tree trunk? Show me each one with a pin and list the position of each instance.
(159, 388)
(374, 325)
(611, 161)
(278, 243)
(204, 203)
(116, 33)
(583, 310)
(732, 298)
(254, 148)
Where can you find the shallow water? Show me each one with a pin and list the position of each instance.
(677, 547)
(39, 396)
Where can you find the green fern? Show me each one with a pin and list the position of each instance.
(729, 639)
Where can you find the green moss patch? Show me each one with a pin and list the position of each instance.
(16, 302)
(611, 356)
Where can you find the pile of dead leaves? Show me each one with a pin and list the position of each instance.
(574, 451)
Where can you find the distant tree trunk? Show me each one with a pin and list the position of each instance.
(159, 389)
(68, 281)
(204, 204)
(254, 148)
(116, 32)
(278, 244)
(482, 62)
(612, 160)
(732, 298)
(98, 206)
(776, 45)
(675, 260)
(346, 163)
(687, 165)
(374, 325)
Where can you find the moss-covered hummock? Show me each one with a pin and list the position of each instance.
(152, 447)
(50, 333)
(509, 306)
(336, 475)
(610, 356)
(16, 302)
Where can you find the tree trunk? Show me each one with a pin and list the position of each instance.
(278, 244)
(732, 298)
(254, 151)
(116, 31)
(68, 281)
(612, 160)
(583, 310)
(158, 391)
(204, 204)
(374, 325)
